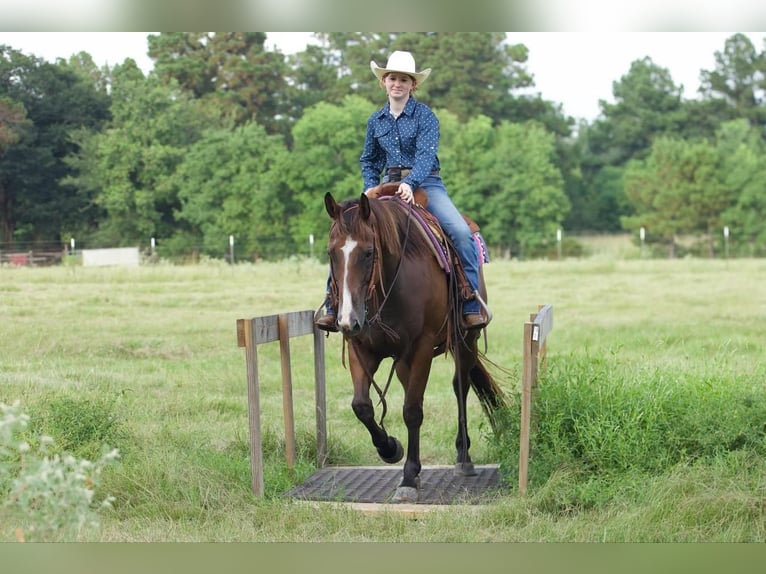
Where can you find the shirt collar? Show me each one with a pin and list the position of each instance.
(409, 108)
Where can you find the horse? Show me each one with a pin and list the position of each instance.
(394, 300)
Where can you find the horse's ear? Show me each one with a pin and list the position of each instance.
(364, 206)
(331, 205)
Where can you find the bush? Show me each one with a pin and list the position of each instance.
(44, 497)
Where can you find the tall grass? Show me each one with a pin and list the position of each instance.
(647, 416)
(607, 425)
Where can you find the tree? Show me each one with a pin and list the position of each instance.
(231, 72)
(743, 161)
(325, 157)
(126, 168)
(739, 78)
(227, 185)
(474, 74)
(508, 182)
(674, 191)
(57, 98)
(533, 190)
(647, 105)
(13, 124)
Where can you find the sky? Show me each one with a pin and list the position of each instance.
(575, 69)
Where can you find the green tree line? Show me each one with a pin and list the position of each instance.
(225, 137)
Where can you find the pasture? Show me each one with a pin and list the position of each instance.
(146, 360)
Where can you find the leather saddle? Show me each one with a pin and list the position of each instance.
(429, 225)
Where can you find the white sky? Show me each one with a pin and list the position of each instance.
(576, 69)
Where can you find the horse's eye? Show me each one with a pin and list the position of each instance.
(368, 254)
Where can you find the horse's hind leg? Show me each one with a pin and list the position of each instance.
(461, 384)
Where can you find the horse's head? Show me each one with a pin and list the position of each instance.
(351, 248)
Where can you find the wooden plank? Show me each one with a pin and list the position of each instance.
(405, 510)
(253, 405)
(287, 389)
(320, 397)
(298, 322)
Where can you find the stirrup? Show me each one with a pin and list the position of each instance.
(484, 306)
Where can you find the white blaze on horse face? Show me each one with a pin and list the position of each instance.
(346, 302)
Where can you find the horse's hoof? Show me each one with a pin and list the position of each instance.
(398, 452)
(405, 495)
(465, 469)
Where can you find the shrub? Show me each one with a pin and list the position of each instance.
(44, 497)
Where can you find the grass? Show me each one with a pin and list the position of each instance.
(146, 360)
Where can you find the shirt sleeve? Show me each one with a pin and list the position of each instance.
(373, 158)
(426, 146)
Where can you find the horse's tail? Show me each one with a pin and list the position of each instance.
(490, 394)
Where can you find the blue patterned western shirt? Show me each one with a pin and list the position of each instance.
(410, 141)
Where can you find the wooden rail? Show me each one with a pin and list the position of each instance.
(251, 333)
(535, 333)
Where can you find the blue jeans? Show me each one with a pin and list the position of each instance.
(453, 224)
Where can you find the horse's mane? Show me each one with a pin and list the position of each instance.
(390, 225)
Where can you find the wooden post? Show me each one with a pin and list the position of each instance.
(287, 389)
(534, 345)
(252, 332)
(527, 376)
(246, 337)
(320, 397)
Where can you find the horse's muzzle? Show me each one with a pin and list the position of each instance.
(351, 324)
(351, 328)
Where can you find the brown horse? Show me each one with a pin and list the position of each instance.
(393, 299)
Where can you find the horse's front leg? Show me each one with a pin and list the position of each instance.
(363, 367)
(414, 378)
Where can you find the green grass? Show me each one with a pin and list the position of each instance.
(146, 360)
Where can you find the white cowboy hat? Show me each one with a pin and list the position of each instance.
(401, 62)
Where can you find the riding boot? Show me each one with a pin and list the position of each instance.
(327, 323)
(474, 321)
(472, 316)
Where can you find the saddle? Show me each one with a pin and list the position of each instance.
(439, 241)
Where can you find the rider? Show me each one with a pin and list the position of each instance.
(403, 138)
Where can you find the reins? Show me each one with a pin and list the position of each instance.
(376, 318)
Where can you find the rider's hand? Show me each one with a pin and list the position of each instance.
(405, 192)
